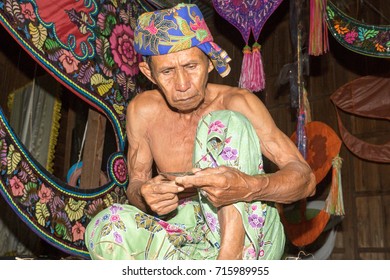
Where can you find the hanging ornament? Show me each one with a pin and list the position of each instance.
(246, 74)
(248, 17)
(318, 38)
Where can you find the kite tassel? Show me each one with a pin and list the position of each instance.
(258, 75)
(246, 74)
(334, 204)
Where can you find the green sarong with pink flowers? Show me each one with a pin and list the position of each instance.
(192, 232)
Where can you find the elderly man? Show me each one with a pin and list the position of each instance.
(210, 197)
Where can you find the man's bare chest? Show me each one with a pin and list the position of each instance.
(172, 146)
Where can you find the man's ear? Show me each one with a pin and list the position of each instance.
(211, 66)
(145, 69)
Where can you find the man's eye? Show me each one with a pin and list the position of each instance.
(191, 66)
(166, 71)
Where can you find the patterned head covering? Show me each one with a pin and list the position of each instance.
(176, 29)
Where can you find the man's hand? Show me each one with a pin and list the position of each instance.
(161, 195)
(223, 185)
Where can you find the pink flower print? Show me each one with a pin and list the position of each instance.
(17, 186)
(254, 207)
(203, 33)
(170, 229)
(261, 253)
(114, 218)
(28, 11)
(68, 61)
(118, 237)
(229, 154)
(255, 221)
(216, 126)
(78, 232)
(122, 48)
(211, 221)
(152, 28)
(350, 37)
(252, 252)
(45, 194)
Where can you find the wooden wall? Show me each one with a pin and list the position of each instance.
(364, 232)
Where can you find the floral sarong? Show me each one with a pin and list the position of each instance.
(192, 231)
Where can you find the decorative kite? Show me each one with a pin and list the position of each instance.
(88, 47)
(323, 147)
(249, 17)
(365, 39)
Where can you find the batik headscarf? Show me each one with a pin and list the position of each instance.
(176, 29)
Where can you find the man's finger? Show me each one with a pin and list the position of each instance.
(168, 187)
(198, 181)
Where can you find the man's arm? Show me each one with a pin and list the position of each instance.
(150, 195)
(139, 157)
(293, 181)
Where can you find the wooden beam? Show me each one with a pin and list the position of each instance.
(93, 150)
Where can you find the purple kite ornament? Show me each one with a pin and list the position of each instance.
(248, 16)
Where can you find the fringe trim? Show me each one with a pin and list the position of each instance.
(318, 37)
(55, 127)
(334, 203)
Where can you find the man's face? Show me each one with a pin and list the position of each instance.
(182, 77)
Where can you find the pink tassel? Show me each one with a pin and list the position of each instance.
(258, 76)
(246, 74)
(318, 37)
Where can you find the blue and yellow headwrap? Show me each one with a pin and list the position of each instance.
(176, 29)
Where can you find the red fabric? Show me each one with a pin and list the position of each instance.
(79, 24)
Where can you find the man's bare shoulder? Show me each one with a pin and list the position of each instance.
(234, 97)
(144, 105)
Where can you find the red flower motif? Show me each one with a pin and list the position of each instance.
(17, 186)
(78, 232)
(69, 62)
(122, 47)
(45, 194)
(28, 11)
(120, 170)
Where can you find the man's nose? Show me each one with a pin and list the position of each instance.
(182, 81)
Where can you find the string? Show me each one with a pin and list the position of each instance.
(82, 144)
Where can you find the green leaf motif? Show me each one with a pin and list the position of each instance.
(120, 225)
(13, 159)
(330, 12)
(51, 45)
(109, 23)
(38, 35)
(370, 34)
(41, 213)
(106, 229)
(146, 222)
(60, 229)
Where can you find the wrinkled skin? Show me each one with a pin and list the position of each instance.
(161, 128)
